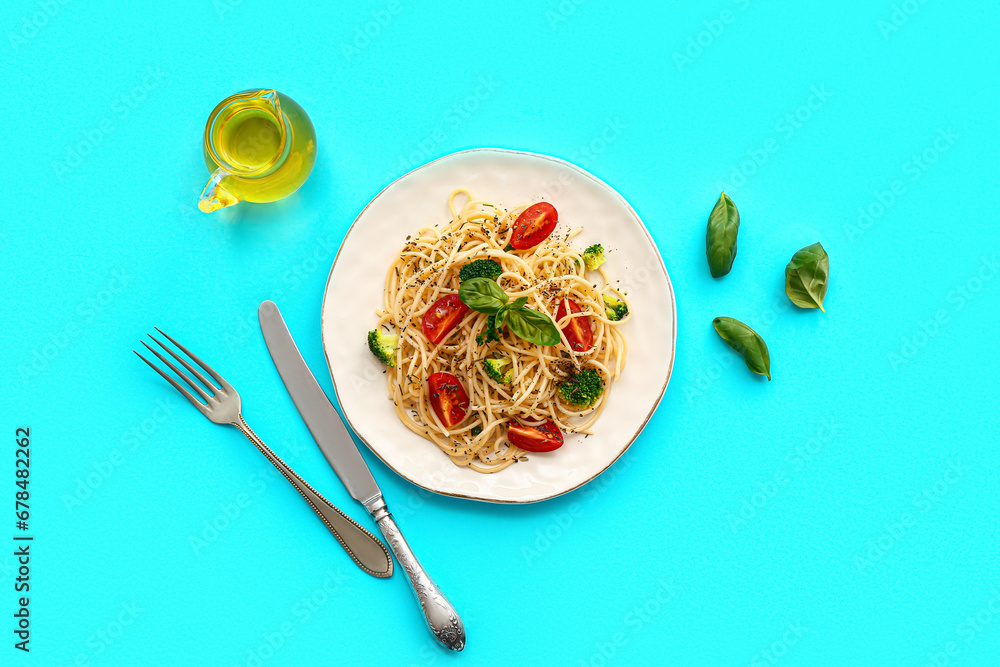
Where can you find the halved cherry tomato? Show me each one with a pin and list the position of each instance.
(448, 398)
(534, 225)
(442, 317)
(578, 331)
(542, 438)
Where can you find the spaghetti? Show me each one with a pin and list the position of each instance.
(427, 269)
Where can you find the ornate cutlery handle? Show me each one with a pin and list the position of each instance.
(364, 548)
(441, 617)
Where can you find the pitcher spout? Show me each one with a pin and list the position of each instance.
(215, 195)
(270, 97)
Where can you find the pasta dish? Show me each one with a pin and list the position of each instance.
(498, 334)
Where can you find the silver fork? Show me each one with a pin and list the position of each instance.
(222, 406)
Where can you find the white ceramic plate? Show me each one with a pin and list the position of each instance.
(506, 178)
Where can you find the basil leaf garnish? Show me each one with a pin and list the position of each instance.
(501, 316)
(482, 295)
(723, 226)
(806, 277)
(533, 326)
(486, 296)
(745, 340)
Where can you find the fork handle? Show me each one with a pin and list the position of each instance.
(364, 548)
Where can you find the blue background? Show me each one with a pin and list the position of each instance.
(844, 513)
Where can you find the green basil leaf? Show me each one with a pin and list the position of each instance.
(745, 340)
(519, 303)
(482, 295)
(501, 316)
(806, 277)
(533, 326)
(723, 226)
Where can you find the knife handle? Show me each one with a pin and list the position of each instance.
(364, 548)
(442, 619)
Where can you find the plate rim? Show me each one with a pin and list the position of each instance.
(649, 238)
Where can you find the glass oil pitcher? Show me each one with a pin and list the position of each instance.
(260, 146)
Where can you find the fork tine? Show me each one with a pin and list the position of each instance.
(174, 382)
(191, 383)
(183, 361)
(222, 383)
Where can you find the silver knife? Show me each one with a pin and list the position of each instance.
(335, 442)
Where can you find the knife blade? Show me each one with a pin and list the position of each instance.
(324, 423)
(334, 440)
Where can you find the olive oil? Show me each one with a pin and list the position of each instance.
(249, 139)
(260, 146)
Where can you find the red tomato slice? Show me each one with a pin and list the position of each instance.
(442, 317)
(578, 331)
(534, 225)
(542, 438)
(448, 398)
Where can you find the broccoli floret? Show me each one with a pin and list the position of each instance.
(490, 332)
(481, 268)
(583, 389)
(494, 370)
(593, 256)
(383, 346)
(476, 430)
(614, 308)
